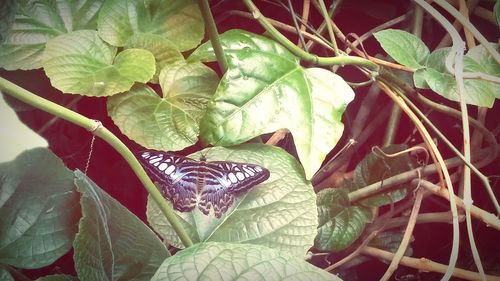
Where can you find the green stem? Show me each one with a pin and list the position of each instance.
(213, 34)
(340, 60)
(328, 23)
(100, 131)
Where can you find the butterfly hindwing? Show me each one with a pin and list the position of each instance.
(188, 183)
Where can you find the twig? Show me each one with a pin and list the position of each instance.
(454, 64)
(283, 27)
(306, 5)
(340, 60)
(296, 24)
(406, 237)
(438, 217)
(424, 264)
(277, 136)
(488, 218)
(438, 159)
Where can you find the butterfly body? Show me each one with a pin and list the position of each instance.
(188, 183)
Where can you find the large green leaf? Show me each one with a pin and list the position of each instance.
(404, 47)
(170, 122)
(225, 261)
(16, 136)
(57, 277)
(339, 223)
(477, 92)
(279, 213)
(36, 22)
(164, 51)
(81, 63)
(5, 275)
(112, 243)
(496, 11)
(7, 14)
(38, 209)
(179, 21)
(266, 89)
(376, 167)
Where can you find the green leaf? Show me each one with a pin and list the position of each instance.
(376, 167)
(179, 21)
(496, 11)
(279, 213)
(419, 78)
(225, 261)
(112, 243)
(339, 223)
(404, 47)
(266, 89)
(5, 275)
(477, 92)
(164, 51)
(38, 209)
(170, 122)
(57, 277)
(390, 241)
(81, 63)
(483, 61)
(7, 13)
(36, 22)
(16, 136)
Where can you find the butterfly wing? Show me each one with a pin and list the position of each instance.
(170, 171)
(224, 181)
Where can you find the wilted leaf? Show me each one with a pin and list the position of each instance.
(376, 167)
(112, 243)
(38, 209)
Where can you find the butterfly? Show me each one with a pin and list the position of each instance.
(188, 183)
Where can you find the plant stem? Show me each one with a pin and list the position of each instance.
(450, 111)
(296, 24)
(100, 131)
(466, 24)
(407, 236)
(340, 60)
(444, 174)
(213, 34)
(328, 23)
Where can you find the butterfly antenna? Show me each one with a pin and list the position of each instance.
(204, 154)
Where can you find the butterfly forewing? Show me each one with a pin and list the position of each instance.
(209, 185)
